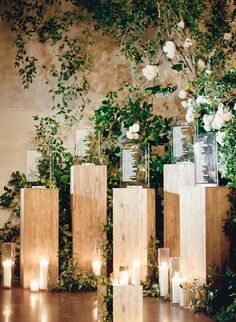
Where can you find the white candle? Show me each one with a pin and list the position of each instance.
(34, 285)
(115, 282)
(184, 293)
(43, 274)
(96, 267)
(124, 278)
(175, 282)
(7, 273)
(164, 279)
(135, 277)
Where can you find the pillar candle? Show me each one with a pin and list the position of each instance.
(96, 267)
(136, 272)
(7, 273)
(34, 285)
(43, 274)
(124, 278)
(164, 279)
(175, 282)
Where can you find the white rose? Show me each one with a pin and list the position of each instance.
(135, 136)
(201, 64)
(182, 94)
(129, 135)
(227, 36)
(220, 136)
(134, 128)
(180, 25)
(227, 116)
(188, 43)
(150, 72)
(207, 120)
(218, 122)
(202, 100)
(169, 49)
(189, 115)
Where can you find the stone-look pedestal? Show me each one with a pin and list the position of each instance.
(175, 176)
(202, 240)
(39, 226)
(127, 303)
(89, 211)
(133, 226)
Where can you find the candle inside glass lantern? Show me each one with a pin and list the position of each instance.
(34, 285)
(43, 274)
(123, 275)
(175, 282)
(184, 297)
(7, 273)
(96, 267)
(135, 277)
(163, 260)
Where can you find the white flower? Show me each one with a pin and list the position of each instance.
(220, 137)
(208, 72)
(201, 64)
(202, 100)
(150, 72)
(227, 36)
(182, 94)
(135, 136)
(188, 43)
(129, 135)
(189, 115)
(169, 49)
(180, 25)
(222, 116)
(207, 120)
(134, 128)
(235, 106)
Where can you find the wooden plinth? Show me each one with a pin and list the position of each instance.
(89, 211)
(175, 177)
(133, 226)
(127, 303)
(202, 240)
(39, 226)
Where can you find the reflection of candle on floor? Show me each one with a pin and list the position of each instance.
(175, 282)
(124, 278)
(43, 274)
(136, 272)
(96, 267)
(183, 293)
(34, 285)
(7, 273)
(164, 279)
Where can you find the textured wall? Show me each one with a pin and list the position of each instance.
(17, 106)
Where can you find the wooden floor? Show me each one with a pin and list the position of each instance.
(19, 305)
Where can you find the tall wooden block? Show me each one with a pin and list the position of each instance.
(133, 226)
(202, 240)
(175, 176)
(39, 226)
(89, 211)
(127, 303)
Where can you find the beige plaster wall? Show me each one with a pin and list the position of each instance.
(17, 106)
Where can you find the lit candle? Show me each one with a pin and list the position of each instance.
(184, 293)
(96, 267)
(115, 282)
(175, 282)
(43, 274)
(34, 285)
(136, 272)
(124, 278)
(7, 273)
(164, 279)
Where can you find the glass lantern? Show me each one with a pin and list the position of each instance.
(163, 267)
(8, 260)
(123, 275)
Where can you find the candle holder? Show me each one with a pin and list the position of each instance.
(34, 285)
(184, 294)
(97, 255)
(163, 267)
(123, 275)
(43, 274)
(8, 260)
(136, 269)
(174, 279)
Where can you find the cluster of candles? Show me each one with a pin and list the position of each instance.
(170, 278)
(42, 283)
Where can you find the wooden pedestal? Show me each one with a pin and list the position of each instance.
(39, 228)
(133, 226)
(127, 303)
(89, 211)
(175, 177)
(202, 240)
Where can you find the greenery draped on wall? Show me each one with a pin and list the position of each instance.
(193, 39)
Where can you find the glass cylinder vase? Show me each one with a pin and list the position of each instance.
(163, 267)
(8, 260)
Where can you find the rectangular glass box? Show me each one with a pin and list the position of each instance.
(182, 143)
(82, 141)
(32, 172)
(205, 155)
(134, 166)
